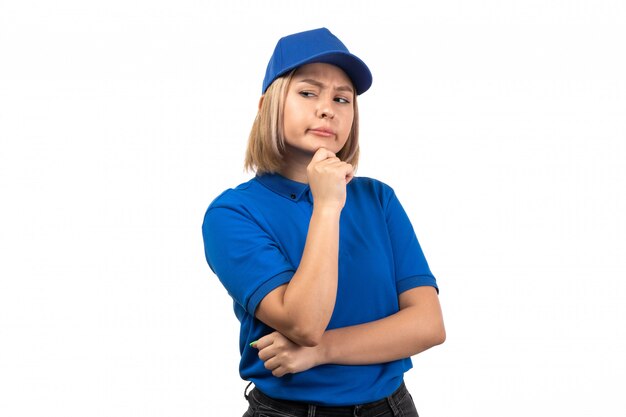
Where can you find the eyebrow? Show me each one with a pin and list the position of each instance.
(321, 85)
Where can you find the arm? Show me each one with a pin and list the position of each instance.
(417, 327)
(301, 309)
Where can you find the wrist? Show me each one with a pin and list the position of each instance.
(322, 352)
(327, 210)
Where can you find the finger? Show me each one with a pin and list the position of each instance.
(271, 364)
(349, 173)
(345, 168)
(333, 166)
(321, 154)
(267, 353)
(279, 372)
(333, 160)
(264, 342)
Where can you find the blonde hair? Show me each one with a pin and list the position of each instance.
(266, 143)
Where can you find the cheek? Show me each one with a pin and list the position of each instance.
(291, 110)
(290, 121)
(346, 126)
(288, 117)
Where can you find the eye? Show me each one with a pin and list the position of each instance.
(342, 100)
(307, 94)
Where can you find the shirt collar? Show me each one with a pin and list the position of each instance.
(285, 187)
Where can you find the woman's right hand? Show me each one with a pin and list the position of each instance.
(328, 177)
(282, 356)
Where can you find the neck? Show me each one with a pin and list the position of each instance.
(295, 166)
(295, 173)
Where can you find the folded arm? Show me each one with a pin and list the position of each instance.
(416, 327)
(302, 309)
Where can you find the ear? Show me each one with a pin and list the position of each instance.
(261, 101)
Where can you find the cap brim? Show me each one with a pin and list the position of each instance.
(352, 65)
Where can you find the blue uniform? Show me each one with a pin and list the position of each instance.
(254, 236)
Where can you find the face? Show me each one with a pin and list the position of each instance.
(318, 110)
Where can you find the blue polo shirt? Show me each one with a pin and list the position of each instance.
(254, 236)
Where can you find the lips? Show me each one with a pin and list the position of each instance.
(322, 131)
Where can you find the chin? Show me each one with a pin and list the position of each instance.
(311, 148)
(331, 146)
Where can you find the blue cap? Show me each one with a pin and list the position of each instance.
(318, 45)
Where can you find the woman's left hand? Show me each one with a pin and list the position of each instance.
(282, 356)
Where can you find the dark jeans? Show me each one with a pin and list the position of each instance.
(398, 404)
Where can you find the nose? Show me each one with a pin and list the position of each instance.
(325, 109)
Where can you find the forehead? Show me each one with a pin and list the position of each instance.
(322, 71)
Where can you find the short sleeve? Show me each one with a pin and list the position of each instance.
(245, 258)
(411, 268)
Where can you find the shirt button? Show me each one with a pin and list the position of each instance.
(293, 196)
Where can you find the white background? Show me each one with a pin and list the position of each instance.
(500, 124)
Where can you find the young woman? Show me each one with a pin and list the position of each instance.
(328, 279)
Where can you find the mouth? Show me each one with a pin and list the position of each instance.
(322, 131)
